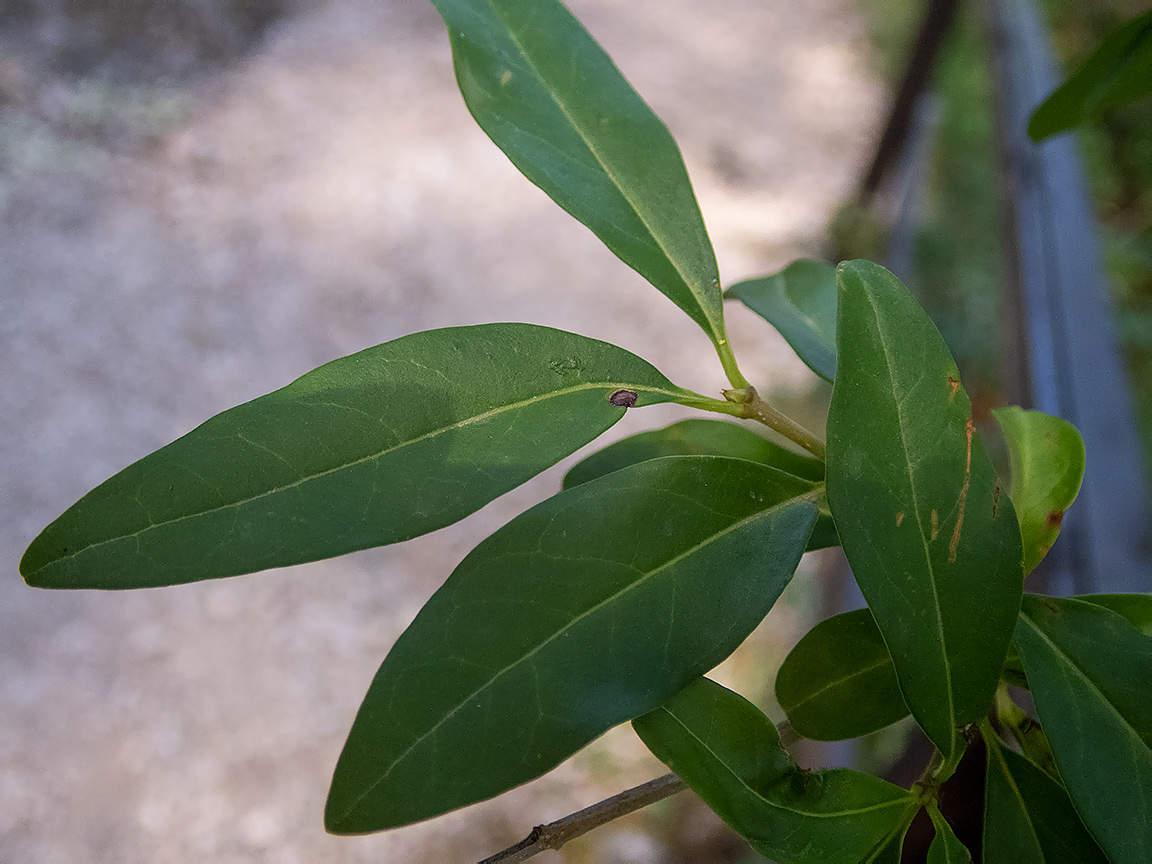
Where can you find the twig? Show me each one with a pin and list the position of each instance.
(556, 834)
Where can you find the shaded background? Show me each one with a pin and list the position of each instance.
(196, 217)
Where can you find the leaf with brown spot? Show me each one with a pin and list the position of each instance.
(1046, 458)
(945, 588)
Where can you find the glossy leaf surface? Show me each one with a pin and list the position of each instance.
(838, 682)
(374, 448)
(1046, 458)
(704, 437)
(1090, 673)
(1118, 71)
(800, 302)
(694, 437)
(946, 847)
(1028, 818)
(933, 544)
(590, 609)
(1137, 608)
(554, 102)
(730, 754)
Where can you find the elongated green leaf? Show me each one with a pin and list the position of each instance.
(553, 101)
(946, 847)
(1028, 818)
(800, 302)
(730, 754)
(934, 545)
(839, 682)
(1118, 71)
(1090, 672)
(694, 437)
(1137, 608)
(589, 609)
(891, 851)
(703, 437)
(1046, 458)
(374, 448)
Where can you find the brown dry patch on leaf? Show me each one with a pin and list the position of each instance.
(954, 385)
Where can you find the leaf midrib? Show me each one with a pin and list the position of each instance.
(773, 804)
(717, 326)
(771, 511)
(885, 661)
(1003, 764)
(1070, 663)
(467, 421)
(919, 524)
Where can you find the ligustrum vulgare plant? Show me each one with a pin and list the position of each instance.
(611, 600)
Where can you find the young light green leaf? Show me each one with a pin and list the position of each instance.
(1137, 608)
(946, 847)
(1046, 459)
(730, 754)
(800, 302)
(697, 436)
(1028, 818)
(589, 609)
(1029, 734)
(933, 544)
(1090, 673)
(839, 682)
(553, 101)
(374, 448)
(704, 437)
(1118, 71)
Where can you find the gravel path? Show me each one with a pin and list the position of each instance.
(330, 193)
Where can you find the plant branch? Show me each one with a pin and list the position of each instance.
(556, 834)
(755, 408)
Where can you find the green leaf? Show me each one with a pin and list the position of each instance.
(800, 302)
(1028, 733)
(1118, 71)
(934, 545)
(891, 851)
(704, 437)
(839, 682)
(1046, 458)
(694, 437)
(554, 102)
(374, 448)
(1090, 672)
(730, 754)
(588, 610)
(946, 847)
(1028, 818)
(1137, 608)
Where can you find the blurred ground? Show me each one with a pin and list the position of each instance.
(169, 251)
